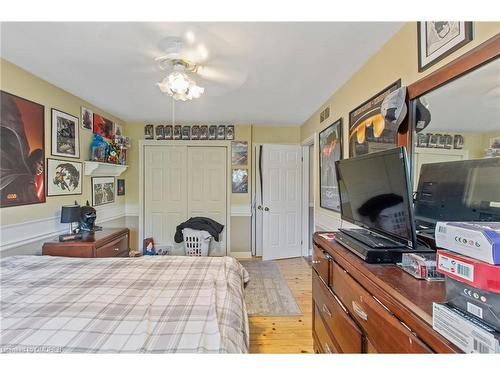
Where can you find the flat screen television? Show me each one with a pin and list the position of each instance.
(465, 190)
(375, 194)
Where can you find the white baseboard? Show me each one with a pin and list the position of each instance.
(14, 235)
(241, 254)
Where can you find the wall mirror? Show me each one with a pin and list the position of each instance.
(458, 121)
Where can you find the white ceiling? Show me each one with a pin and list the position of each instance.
(470, 103)
(281, 72)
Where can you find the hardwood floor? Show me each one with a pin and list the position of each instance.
(292, 334)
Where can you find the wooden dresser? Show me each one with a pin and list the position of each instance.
(370, 308)
(105, 243)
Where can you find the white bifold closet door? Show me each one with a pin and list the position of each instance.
(182, 182)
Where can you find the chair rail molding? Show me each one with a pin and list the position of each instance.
(13, 235)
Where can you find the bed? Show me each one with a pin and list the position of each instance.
(160, 304)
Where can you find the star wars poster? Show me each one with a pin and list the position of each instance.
(63, 177)
(330, 146)
(22, 148)
(368, 131)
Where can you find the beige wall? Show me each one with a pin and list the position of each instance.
(19, 82)
(396, 59)
(240, 225)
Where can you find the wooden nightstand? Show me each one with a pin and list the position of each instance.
(112, 242)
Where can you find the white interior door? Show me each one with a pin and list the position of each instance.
(207, 188)
(165, 192)
(282, 198)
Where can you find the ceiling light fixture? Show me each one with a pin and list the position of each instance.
(179, 85)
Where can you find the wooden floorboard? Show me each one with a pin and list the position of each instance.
(287, 334)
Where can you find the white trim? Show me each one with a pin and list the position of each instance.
(241, 209)
(241, 255)
(143, 143)
(132, 209)
(306, 176)
(13, 235)
(327, 222)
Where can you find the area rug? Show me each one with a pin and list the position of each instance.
(267, 293)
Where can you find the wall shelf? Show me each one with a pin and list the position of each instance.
(95, 168)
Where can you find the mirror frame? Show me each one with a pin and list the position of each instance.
(469, 61)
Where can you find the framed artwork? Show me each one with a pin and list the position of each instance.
(169, 132)
(117, 130)
(103, 190)
(195, 132)
(330, 149)
(230, 132)
(368, 131)
(438, 39)
(148, 131)
(87, 118)
(64, 177)
(240, 181)
(239, 153)
(221, 132)
(204, 132)
(65, 135)
(22, 150)
(212, 132)
(177, 132)
(103, 126)
(186, 130)
(160, 132)
(120, 187)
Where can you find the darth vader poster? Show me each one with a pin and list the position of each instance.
(22, 149)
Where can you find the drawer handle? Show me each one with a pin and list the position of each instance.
(316, 262)
(117, 249)
(326, 311)
(359, 311)
(327, 349)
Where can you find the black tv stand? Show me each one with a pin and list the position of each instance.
(371, 239)
(371, 254)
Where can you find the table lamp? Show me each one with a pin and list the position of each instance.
(70, 214)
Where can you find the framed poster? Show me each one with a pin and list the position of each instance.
(103, 190)
(177, 132)
(438, 39)
(22, 150)
(169, 132)
(87, 118)
(160, 132)
(117, 130)
(103, 126)
(203, 132)
(186, 132)
(63, 177)
(148, 131)
(120, 187)
(195, 132)
(239, 153)
(212, 132)
(65, 135)
(368, 131)
(230, 132)
(221, 132)
(240, 181)
(330, 149)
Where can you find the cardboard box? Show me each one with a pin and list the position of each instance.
(478, 240)
(468, 333)
(473, 272)
(480, 303)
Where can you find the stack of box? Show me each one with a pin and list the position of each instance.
(469, 256)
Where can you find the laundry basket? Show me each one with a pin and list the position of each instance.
(196, 242)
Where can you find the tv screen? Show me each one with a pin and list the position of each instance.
(466, 190)
(375, 194)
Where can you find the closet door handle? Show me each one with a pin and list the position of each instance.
(259, 207)
(266, 208)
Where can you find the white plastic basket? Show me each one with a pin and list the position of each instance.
(196, 242)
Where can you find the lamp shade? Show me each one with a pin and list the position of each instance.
(70, 214)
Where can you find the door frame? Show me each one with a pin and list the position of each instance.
(306, 175)
(142, 148)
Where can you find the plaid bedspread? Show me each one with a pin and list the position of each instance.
(160, 304)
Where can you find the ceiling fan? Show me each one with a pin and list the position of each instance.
(188, 62)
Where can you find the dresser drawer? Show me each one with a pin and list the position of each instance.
(386, 333)
(345, 331)
(116, 248)
(326, 343)
(320, 261)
